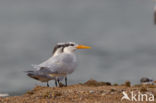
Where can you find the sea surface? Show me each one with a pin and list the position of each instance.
(121, 33)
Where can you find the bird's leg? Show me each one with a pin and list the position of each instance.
(47, 84)
(55, 82)
(65, 81)
(58, 82)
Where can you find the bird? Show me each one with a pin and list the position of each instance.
(62, 63)
(145, 80)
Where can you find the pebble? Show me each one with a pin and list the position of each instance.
(91, 91)
(103, 94)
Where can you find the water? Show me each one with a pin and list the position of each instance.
(121, 33)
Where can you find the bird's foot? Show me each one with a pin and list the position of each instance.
(61, 85)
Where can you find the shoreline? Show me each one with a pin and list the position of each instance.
(88, 92)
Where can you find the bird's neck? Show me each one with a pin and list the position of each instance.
(55, 54)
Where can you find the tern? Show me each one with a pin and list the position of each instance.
(59, 65)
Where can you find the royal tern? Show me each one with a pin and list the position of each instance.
(62, 63)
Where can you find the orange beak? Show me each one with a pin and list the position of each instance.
(83, 47)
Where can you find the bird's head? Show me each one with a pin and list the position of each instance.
(67, 47)
(71, 47)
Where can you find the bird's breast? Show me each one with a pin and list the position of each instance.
(70, 63)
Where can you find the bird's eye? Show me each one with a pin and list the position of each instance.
(71, 44)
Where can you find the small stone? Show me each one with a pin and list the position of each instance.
(103, 94)
(91, 91)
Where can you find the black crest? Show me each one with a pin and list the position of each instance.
(63, 45)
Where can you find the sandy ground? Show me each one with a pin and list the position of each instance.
(89, 92)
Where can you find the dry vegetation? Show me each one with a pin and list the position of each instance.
(88, 92)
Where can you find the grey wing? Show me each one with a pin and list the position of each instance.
(44, 70)
(52, 72)
(60, 64)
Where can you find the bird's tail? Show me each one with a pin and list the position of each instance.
(30, 73)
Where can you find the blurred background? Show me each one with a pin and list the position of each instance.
(121, 33)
